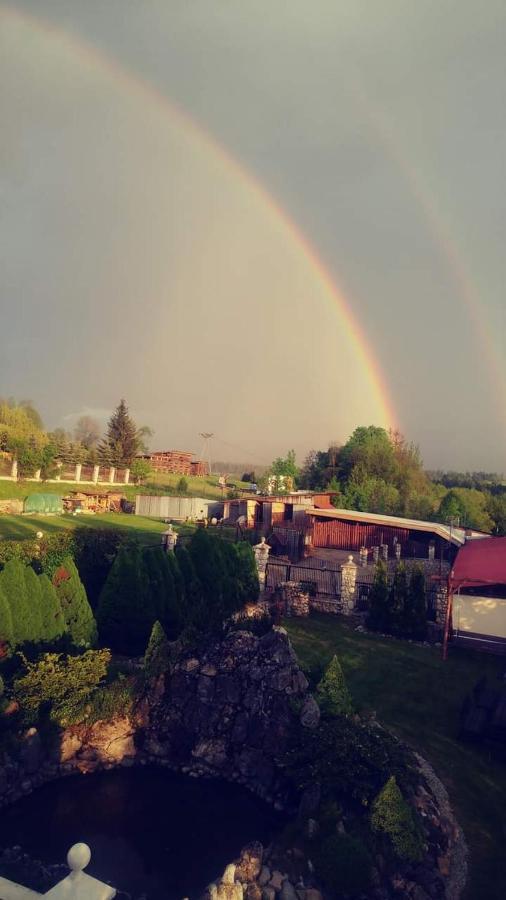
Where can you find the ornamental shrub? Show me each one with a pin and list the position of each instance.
(194, 607)
(166, 588)
(6, 628)
(415, 610)
(25, 613)
(332, 693)
(77, 611)
(60, 684)
(398, 599)
(33, 593)
(379, 617)
(156, 657)
(392, 817)
(53, 623)
(127, 607)
(344, 865)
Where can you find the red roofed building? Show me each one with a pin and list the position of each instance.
(476, 614)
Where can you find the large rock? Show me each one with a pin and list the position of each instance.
(310, 713)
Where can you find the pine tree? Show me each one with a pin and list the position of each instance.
(398, 599)
(166, 589)
(121, 443)
(156, 657)
(25, 613)
(332, 694)
(52, 618)
(392, 816)
(127, 605)
(415, 616)
(76, 610)
(379, 618)
(194, 608)
(6, 628)
(34, 597)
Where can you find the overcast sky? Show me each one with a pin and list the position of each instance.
(136, 261)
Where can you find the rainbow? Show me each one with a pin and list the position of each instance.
(134, 84)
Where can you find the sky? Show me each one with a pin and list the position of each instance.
(270, 221)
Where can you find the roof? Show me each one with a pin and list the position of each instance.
(456, 536)
(480, 562)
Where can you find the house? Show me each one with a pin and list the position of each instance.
(476, 612)
(266, 512)
(352, 530)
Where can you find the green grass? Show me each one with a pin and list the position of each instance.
(418, 696)
(19, 528)
(197, 487)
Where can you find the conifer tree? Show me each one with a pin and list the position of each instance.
(415, 616)
(34, 598)
(52, 618)
(332, 694)
(121, 442)
(156, 657)
(6, 628)
(76, 610)
(398, 599)
(379, 618)
(392, 816)
(193, 612)
(25, 613)
(165, 600)
(127, 606)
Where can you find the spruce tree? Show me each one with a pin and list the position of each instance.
(127, 609)
(398, 599)
(25, 613)
(415, 617)
(379, 618)
(34, 597)
(76, 610)
(211, 569)
(156, 657)
(6, 628)
(332, 694)
(52, 618)
(392, 816)
(166, 595)
(193, 611)
(121, 443)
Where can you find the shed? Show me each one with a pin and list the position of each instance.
(45, 504)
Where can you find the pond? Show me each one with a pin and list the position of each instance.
(151, 832)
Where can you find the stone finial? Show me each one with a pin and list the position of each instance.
(78, 858)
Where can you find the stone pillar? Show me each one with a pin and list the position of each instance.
(397, 551)
(77, 475)
(375, 555)
(384, 552)
(58, 475)
(126, 479)
(363, 553)
(169, 539)
(37, 475)
(432, 550)
(14, 469)
(441, 605)
(348, 582)
(112, 473)
(96, 473)
(261, 552)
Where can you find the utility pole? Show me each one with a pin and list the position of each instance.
(205, 454)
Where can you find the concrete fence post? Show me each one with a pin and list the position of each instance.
(37, 475)
(261, 552)
(348, 584)
(14, 469)
(78, 472)
(112, 473)
(126, 478)
(96, 473)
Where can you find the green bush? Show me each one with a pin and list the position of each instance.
(332, 694)
(77, 611)
(26, 551)
(344, 865)
(379, 616)
(53, 624)
(156, 657)
(60, 684)
(415, 611)
(398, 599)
(111, 700)
(392, 817)
(182, 485)
(130, 601)
(6, 627)
(15, 584)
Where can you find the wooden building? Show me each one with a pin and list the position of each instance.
(93, 502)
(258, 511)
(176, 462)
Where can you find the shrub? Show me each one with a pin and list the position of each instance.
(379, 616)
(344, 864)
(397, 599)
(15, 583)
(156, 657)
(392, 817)
(95, 550)
(61, 684)
(332, 694)
(26, 551)
(415, 611)
(52, 619)
(182, 485)
(2, 687)
(109, 700)
(54, 549)
(129, 603)
(77, 611)
(140, 469)
(6, 627)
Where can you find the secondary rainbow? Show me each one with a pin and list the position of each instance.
(134, 83)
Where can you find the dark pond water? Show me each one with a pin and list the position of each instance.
(150, 831)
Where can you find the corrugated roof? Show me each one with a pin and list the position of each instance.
(480, 562)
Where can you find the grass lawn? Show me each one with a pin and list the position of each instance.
(19, 528)
(197, 487)
(418, 696)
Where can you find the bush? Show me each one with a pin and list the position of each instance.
(379, 616)
(332, 694)
(415, 611)
(15, 583)
(182, 485)
(392, 817)
(110, 700)
(398, 599)
(53, 624)
(344, 865)
(6, 627)
(77, 611)
(60, 684)
(156, 657)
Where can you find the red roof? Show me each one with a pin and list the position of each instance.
(480, 561)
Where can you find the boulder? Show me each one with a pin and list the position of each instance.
(310, 713)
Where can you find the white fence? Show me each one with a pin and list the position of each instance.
(177, 508)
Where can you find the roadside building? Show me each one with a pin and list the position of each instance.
(476, 614)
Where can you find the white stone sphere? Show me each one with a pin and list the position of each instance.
(39, 535)
(78, 857)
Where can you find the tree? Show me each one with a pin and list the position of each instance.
(121, 442)
(52, 619)
(414, 620)
(6, 627)
(182, 485)
(220, 575)
(140, 470)
(25, 614)
(398, 599)
(496, 508)
(87, 432)
(379, 617)
(129, 602)
(77, 612)
(332, 694)
(156, 657)
(194, 608)
(392, 817)
(33, 592)
(166, 589)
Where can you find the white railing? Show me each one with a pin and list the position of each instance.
(76, 886)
